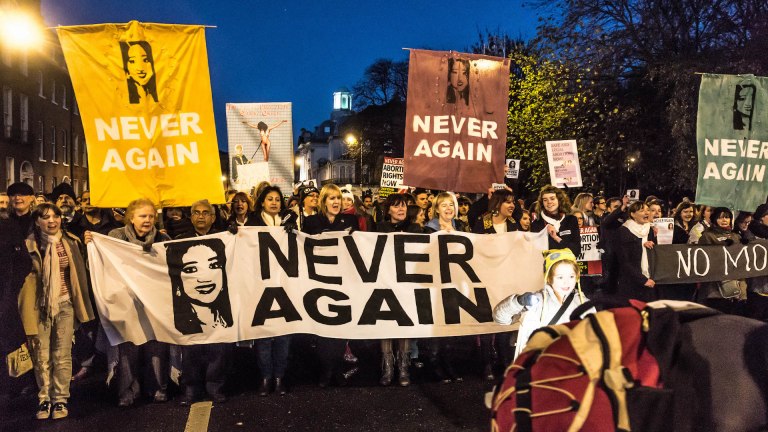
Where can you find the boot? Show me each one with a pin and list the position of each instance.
(387, 368)
(264, 387)
(280, 387)
(403, 361)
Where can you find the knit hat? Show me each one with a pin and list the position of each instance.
(63, 189)
(553, 256)
(20, 188)
(303, 192)
(346, 192)
(761, 211)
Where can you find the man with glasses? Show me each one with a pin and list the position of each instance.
(599, 208)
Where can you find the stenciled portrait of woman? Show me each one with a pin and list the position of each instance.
(139, 66)
(458, 81)
(199, 285)
(743, 105)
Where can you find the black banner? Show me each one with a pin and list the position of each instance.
(671, 264)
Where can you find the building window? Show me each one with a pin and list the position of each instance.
(10, 172)
(40, 141)
(76, 186)
(53, 92)
(24, 117)
(40, 91)
(85, 155)
(76, 151)
(64, 147)
(23, 63)
(64, 97)
(54, 183)
(53, 145)
(7, 110)
(41, 183)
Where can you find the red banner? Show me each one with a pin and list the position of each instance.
(456, 121)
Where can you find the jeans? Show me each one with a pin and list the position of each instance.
(205, 365)
(273, 356)
(155, 356)
(52, 354)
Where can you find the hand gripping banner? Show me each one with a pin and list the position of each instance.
(144, 95)
(264, 282)
(456, 121)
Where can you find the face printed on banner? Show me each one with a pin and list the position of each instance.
(201, 274)
(271, 204)
(550, 202)
(139, 65)
(563, 279)
(459, 77)
(744, 101)
(397, 212)
(49, 222)
(143, 219)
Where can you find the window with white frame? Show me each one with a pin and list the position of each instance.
(76, 151)
(53, 145)
(64, 147)
(40, 141)
(7, 110)
(24, 63)
(24, 116)
(53, 92)
(10, 171)
(40, 86)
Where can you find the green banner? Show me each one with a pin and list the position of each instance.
(732, 139)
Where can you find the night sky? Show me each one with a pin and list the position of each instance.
(301, 51)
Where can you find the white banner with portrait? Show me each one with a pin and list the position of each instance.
(264, 282)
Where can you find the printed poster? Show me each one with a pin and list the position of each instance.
(144, 96)
(456, 120)
(563, 157)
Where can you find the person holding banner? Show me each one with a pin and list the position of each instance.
(635, 237)
(140, 230)
(684, 214)
(396, 220)
(555, 217)
(757, 297)
(54, 297)
(728, 296)
(272, 352)
(242, 208)
(329, 218)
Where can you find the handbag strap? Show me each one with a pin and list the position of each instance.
(563, 308)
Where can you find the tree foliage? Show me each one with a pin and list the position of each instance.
(384, 81)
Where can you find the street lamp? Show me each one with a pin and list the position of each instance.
(352, 140)
(19, 30)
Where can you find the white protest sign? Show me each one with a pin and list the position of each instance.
(633, 194)
(563, 160)
(665, 228)
(590, 260)
(391, 176)
(512, 170)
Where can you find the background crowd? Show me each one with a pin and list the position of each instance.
(46, 296)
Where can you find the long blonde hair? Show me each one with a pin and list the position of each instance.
(325, 193)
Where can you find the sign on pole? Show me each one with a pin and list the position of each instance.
(512, 169)
(391, 177)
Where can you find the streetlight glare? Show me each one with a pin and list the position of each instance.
(350, 139)
(19, 30)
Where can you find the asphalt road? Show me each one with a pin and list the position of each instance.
(360, 405)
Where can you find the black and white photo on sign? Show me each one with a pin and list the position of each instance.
(139, 66)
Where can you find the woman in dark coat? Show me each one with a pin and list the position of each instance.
(635, 238)
(555, 217)
(329, 218)
(757, 295)
(685, 219)
(720, 232)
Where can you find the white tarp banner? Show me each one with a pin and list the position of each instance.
(264, 282)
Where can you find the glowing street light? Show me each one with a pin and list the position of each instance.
(19, 30)
(352, 140)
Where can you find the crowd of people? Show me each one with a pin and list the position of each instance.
(46, 296)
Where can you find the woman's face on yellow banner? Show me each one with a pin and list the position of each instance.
(139, 66)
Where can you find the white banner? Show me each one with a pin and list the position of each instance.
(264, 282)
(563, 157)
(665, 229)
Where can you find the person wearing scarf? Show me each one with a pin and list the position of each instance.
(555, 217)
(635, 237)
(55, 297)
(140, 230)
(720, 232)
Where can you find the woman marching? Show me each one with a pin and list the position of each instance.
(55, 297)
(329, 218)
(727, 296)
(635, 238)
(555, 217)
(396, 220)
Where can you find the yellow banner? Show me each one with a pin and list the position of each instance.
(144, 95)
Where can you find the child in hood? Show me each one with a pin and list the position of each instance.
(551, 305)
